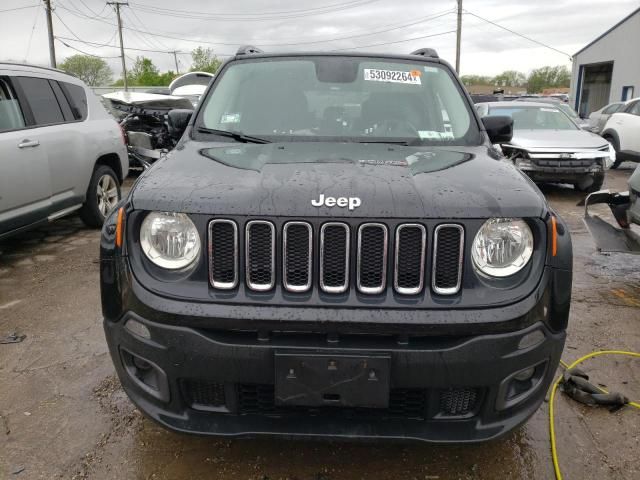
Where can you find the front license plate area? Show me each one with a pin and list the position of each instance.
(332, 380)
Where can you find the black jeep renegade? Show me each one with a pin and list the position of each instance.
(335, 249)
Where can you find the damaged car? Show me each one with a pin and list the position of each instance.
(551, 148)
(143, 116)
(335, 249)
(144, 121)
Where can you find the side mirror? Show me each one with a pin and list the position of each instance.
(499, 128)
(177, 121)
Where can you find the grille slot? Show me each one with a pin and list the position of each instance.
(203, 395)
(297, 241)
(372, 257)
(334, 257)
(260, 255)
(223, 254)
(458, 401)
(410, 251)
(447, 259)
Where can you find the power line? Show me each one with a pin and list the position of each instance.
(248, 16)
(206, 42)
(397, 27)
(33, 29)
(517, 33)
(18, 8)
(393, 43)
(83, 52)
(101, 45)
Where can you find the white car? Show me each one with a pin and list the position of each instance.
(598, 119)
(622, 130)
(60, 151)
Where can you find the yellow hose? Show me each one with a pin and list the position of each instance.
(554, 453)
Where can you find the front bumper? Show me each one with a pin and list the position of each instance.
(457, 388)
(562, 171)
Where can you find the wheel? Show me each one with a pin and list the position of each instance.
(598, 180)
(102, 195)
(616, 147)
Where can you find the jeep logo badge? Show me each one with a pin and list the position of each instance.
(351, 202)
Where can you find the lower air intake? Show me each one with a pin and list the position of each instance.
(458, 401)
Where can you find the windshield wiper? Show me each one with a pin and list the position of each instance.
(238, 136)
(390, 142)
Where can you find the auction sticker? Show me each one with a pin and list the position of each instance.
(392, 76)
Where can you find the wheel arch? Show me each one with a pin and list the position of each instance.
(111, 160)
(610, 132)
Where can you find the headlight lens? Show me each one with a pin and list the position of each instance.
(608, 161)
(502, 247)
(170, 240)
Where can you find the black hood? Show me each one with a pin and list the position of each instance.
(281, 179)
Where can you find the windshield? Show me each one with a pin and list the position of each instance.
(338, 99)
(535, 118)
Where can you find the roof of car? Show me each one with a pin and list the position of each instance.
(425, 58)
(519, 104)
(52, 73)
(27, 66)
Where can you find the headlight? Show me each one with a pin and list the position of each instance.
(608, 161)
(502, 247)
(170, 240)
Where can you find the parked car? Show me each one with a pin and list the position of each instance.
(549, 147)
(60, 151)
(571, 113)
(623, 131)
(325, 255)
(598, 119)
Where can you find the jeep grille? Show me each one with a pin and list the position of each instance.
(324, 255)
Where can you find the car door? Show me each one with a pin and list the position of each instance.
(59, 133)
(630, 134)
(25, 189)
(606, 113)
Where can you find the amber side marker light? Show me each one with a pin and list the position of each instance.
(554, 236)
(119, 227)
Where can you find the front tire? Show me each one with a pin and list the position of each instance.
(102, 196)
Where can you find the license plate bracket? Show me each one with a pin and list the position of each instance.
(332, 380)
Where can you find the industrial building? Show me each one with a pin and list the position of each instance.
(608, 69)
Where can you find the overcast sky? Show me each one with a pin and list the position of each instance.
(276, 25)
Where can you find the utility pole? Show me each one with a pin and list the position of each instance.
(52, 47)
(124, 65)
(458, 36)
(175, 57)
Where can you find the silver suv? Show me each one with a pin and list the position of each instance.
(60, 151)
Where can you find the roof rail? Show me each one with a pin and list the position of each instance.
(248, 50)
(16, 64)
(426, 52)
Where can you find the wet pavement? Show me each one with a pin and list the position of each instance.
(64, 415)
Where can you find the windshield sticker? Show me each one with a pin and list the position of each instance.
(432, 135)
(230, 118)
(391, 76)
(431, 69)
(549, 110)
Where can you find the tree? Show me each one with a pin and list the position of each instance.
(510, 78)
(204, 60)
(548, 77)
(144, 73)
(93, 71)
(476, 80)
